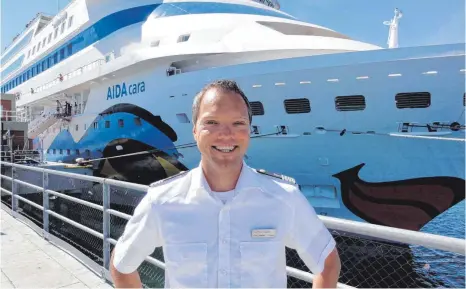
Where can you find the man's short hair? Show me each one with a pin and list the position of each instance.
(226, 86)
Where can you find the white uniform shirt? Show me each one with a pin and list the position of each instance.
(208, 244)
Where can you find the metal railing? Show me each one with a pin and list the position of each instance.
(13, 115)
(343, 230)
(80, 70)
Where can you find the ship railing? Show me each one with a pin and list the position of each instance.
(59, 79)
(13, 115)
(87, 218)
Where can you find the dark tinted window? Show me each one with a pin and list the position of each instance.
(298, 105)
(412, 100)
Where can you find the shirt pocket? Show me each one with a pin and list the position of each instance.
(261, 264)
(186, 264)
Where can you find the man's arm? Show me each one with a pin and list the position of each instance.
(329, 276)
(139, 239)
(120, 280)
(313, 242)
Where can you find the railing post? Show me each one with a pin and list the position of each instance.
(106, 227)
(45, 204)
(14, 188)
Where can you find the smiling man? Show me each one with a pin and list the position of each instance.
(224, 224)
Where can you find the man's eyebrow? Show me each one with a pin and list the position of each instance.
(216, 115)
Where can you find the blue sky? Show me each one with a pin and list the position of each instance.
(424, 22)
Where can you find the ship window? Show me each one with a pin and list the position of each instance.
(137, 121)
(88, 153)
(56, 33)
(77, 152)
(155, 43)
(107, 124)
(183, 38)
(38, 46)
(77, 127)
(257, 108)
(412, 100)
(50, 38)
(297, 29)
(68, 151)
(29, 53)
(54, 151)
(182, 117)
(33, 50)
(70, 49)
(464, 99)
(121, 123)
(95, 125)
(70, 21)
(62, 54)
(61, 151)
(350, 103)
(85, 126)
(43, 41)
(298, 105)
(62, 27)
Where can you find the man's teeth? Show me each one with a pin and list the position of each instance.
(225, 149)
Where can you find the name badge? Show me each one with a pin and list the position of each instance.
(263, 233)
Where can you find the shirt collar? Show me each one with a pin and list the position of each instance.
(246, 180)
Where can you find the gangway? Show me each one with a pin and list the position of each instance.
(40, 124)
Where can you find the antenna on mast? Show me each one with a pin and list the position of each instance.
(393, 31)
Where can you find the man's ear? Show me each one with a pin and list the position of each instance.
(194, 132)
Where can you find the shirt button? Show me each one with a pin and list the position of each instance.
(223, 271)
(224, 241)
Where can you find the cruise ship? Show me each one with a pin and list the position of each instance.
(369, 133)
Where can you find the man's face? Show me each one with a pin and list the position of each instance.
(222, 128)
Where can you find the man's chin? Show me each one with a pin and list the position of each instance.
(227, 162)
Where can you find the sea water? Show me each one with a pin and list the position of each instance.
(447, 267)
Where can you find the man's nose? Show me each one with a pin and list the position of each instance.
(226, 130)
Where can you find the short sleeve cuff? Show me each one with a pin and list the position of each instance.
(122, 261)
(317, 252)
(327, 250)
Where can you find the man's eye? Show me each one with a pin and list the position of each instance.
(211, 122)
(240, 123)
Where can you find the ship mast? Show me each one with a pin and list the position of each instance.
(393, 31)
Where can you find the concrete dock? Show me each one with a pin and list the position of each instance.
(30, 261)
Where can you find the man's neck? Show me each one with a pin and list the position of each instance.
(221, 179)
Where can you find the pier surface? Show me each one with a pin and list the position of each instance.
(30, 261)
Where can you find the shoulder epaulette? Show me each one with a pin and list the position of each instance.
(279, 176)
(154, 184)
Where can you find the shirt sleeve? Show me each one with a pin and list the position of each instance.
(139, 239)
(308, 234)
